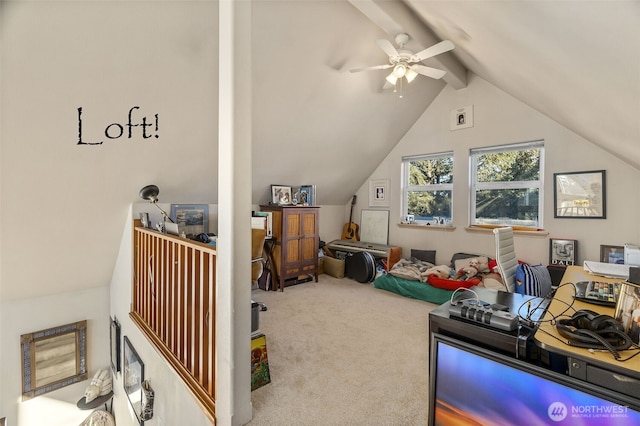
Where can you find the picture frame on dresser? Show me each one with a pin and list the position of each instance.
(281, 195)
(306, 195)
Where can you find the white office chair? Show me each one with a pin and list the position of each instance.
(506, 257)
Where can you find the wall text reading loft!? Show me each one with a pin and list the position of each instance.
(117, 130)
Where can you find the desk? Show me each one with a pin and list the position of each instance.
(515, 343)
(599, 368)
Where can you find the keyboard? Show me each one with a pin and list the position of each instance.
(598, 292)
(609, 270)
(379, 250)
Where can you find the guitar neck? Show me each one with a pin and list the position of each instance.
(353, 203)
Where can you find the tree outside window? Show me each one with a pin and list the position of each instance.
(428, 186)
(507, 185)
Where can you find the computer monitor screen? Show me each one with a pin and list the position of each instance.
(471, 385)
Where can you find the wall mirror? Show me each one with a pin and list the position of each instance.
(53, 358)
(133, 378)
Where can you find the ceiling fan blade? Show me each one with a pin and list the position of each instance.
(436, 49)
(375, 67)
(387, 47)
(428, 71)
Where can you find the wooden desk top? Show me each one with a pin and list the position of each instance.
(564, 304)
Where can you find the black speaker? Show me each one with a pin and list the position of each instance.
(556, 272)
(634, 274)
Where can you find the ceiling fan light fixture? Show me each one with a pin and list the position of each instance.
(410, 75)
(400, 70)
(391, 78)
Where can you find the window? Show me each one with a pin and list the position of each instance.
(507, 185)
(427, 187)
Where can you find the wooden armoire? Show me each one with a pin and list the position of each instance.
(296, 241)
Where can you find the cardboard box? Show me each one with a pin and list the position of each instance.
(333, 267)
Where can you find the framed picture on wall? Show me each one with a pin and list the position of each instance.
(580, 195)
(379, 193)
(563, 252)
(132, 378)
(115, 344)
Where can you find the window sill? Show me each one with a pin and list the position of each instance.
(442, 228)
(483, 230)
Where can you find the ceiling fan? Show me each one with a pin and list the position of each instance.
(406, 63)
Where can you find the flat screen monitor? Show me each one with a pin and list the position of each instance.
(474, 386)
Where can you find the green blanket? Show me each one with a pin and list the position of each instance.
(413, 289)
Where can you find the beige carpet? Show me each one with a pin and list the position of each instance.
(343, 353)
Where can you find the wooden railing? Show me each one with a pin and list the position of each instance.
(173, 303)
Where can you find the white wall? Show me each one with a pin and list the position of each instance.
(24, 316)
(502, 119)
(64, 205)
(105, 57)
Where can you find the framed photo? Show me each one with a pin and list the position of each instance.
(563, 252)
(306, 195)
(628, 310)
(114, 344)
(280, 195)
(580, 195)
(379, 193)
(612, 254)
(133, 378)
(295, 195)
(462, 118)
(192, 219)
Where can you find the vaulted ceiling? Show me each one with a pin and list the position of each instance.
(576, 62)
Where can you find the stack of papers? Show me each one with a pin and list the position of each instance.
(609, 270)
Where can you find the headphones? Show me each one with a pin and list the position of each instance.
(588, 329)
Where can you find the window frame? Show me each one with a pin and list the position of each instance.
(406, 187)
(475, 186)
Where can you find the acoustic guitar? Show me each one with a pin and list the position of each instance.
(351, 231)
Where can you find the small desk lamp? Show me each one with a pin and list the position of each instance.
(150, 193)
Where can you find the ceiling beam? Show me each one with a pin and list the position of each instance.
(395, 17)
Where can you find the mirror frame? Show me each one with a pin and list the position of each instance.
(132, 378)
(31, 350)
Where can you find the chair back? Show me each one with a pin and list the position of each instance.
(257, 259)
(506, 256)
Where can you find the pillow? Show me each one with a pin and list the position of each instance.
(533, 280)
(493, 280)
(457, 256)
(449, 284)
(481, 263)
(424, 255)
